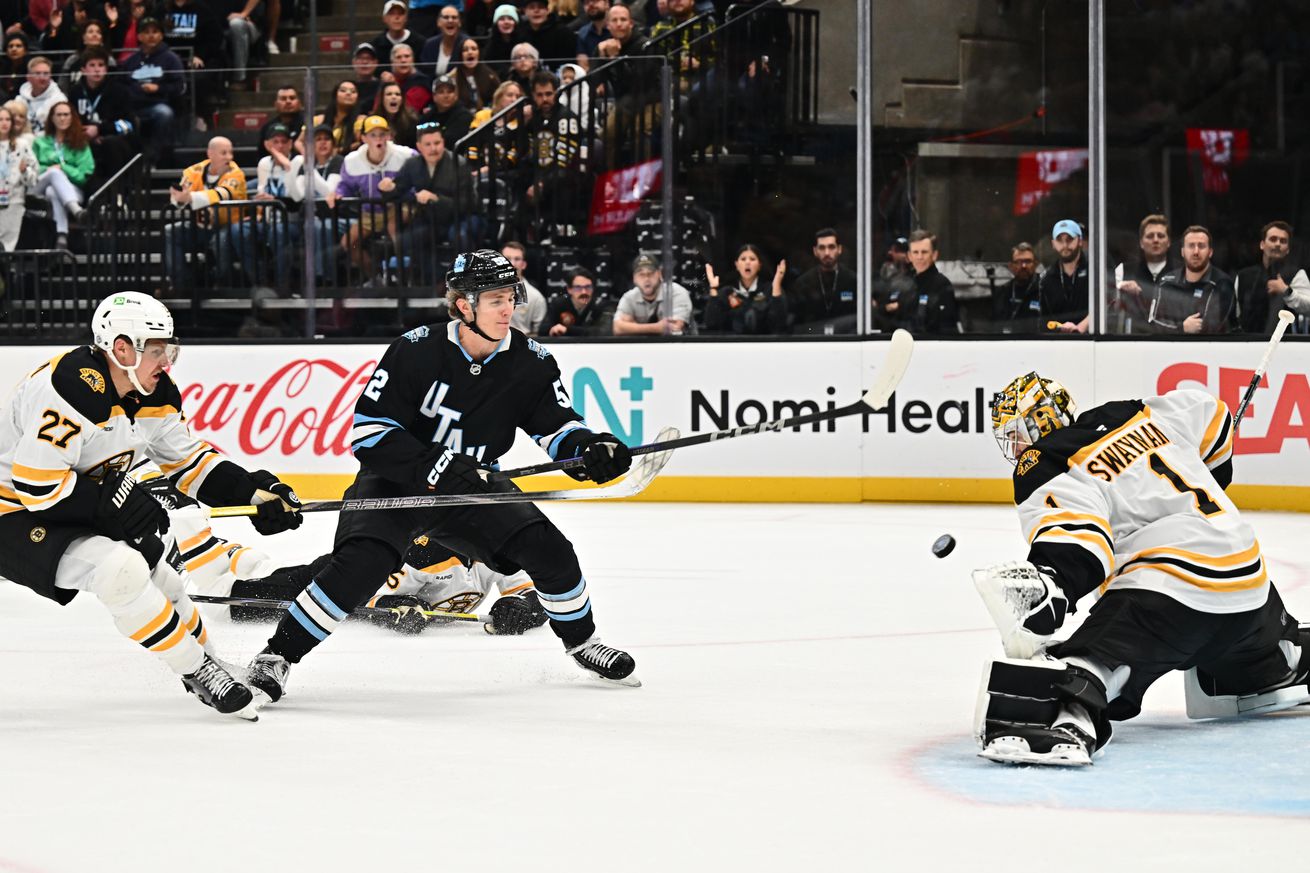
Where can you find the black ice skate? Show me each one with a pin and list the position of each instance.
(216, 688)
(606, 662)
(267, 675)
(1062, 745)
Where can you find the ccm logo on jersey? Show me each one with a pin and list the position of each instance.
(1111, 460)
(93, 379)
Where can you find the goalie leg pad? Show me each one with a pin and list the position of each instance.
(1021, 712)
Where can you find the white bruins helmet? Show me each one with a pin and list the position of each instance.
(139, 318)
(1027, 409)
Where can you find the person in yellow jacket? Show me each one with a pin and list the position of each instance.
(202, 187)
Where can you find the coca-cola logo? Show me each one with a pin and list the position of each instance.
(1288, 420)
(306, 404)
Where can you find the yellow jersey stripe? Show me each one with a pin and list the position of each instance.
(1245, 584)
(158, 411)
(1077, 459)
(206, 558)
(1070, 518)
(1086, 538)
(190, 478)
(174, 466)
(39, 475)
(526, 586)
(154, 624)
(1215, 561)
(444, 565)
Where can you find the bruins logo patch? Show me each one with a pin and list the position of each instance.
(37, 534)
(93, 379)
(1027, 461)
(421, 540)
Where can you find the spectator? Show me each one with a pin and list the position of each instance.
(271, 228)
(104, 107)
(13, 67)
(527, 317)
(690, 47)
(17, 177)
(480, 19)
(823, 299)
(193, 25)
(395, 15)
(368, 173)
(547, 34)
(594, 33)
(204, 185)
(1154, 260)
(123, 29)
(476, 82)
(416, 87)
(243, 31)
(40, 93)
(341, 113)
(365, 64)
(1063, 288)
(928, 308)
(64, 162)
(894, 276)
(38, 17)
(62, 35)
(326, 177)
(556, 190)
(272, 18)
(287, 111)
(18, 110)
(523, 66)
(1017, 305)
(744, 307)
(155, 74)
(1265, 289)
(442, 52)
(577, 98)
(440, 189)
(509, 136)
(1198, 298)
(575, 314)
(401, 120)
(424, 15)
(506, 33)
(621, 29)
(638, 313)
(93, 37)
(447, 111)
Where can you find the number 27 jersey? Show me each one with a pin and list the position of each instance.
(1131, 495)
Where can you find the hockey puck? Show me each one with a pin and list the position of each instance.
(943, 545)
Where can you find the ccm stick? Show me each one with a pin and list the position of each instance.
(643, 472)
(1285, 318)
(893, 368)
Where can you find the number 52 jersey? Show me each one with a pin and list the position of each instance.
(1131, 495)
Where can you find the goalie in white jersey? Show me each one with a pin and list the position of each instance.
(72, 520)
(1126, 503)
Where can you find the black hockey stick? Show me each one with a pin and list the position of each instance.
(392, 612)
(1285, 318)
(889, 377)
(635, 482)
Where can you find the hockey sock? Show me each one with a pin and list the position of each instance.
(549, 560)
(149, 619)
(357, 569)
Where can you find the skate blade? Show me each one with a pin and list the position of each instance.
(629, 681)
(261, 699)
(249, 713)
(1004, 752)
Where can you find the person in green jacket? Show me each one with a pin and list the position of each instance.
(64, 156)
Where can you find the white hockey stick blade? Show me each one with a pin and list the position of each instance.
(894, 365)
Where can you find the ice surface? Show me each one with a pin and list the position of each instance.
(810, 675)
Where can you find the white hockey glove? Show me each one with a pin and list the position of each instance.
(1025, 603)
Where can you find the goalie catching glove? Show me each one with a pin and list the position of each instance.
(1026, 603)
(603, 456)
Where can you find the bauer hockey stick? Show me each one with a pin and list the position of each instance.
(643, 472)
(1285, 318)
(395, 612)
(889, 377)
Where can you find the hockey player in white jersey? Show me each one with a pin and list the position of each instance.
(71, 519)
(1126, 502)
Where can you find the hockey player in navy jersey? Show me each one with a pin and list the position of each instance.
(441, 407)
(1126, 500)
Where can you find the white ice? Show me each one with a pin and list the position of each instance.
(810, 675)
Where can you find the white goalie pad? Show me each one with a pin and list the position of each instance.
(1011, 592)
(1202, 705)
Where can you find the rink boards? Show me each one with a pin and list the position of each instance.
(288, 408)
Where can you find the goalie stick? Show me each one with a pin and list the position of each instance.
(643, 472)
(893, 368)
(396, 612)
(1285, 318)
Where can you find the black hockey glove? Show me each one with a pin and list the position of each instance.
(278, 505)
(124, 511)
(603, 458)
(406, 619)
(449, 472)
(163, 490)
(515, 613)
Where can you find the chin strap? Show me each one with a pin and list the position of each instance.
(130, 371)
(472, 323)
